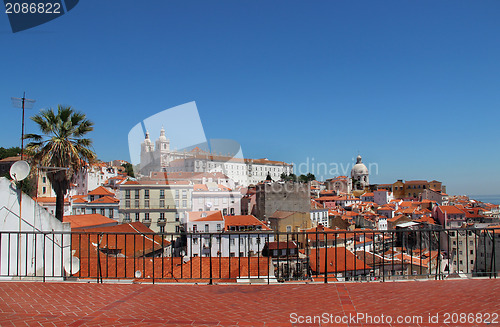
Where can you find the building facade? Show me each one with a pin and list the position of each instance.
(161, 206)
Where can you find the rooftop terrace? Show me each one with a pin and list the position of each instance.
(112, 304)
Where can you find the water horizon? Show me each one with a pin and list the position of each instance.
(487, 198)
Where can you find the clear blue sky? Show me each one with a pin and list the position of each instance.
(413, 86)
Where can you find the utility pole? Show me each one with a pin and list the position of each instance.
(24, 104)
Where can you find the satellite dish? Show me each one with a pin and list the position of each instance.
(138, 274)
(19, 170)
(72, 266)
(209, 204)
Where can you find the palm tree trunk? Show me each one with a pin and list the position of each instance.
(59, 204)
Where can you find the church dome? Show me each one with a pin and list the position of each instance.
(359, 168)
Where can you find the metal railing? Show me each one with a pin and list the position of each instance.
(255, 256)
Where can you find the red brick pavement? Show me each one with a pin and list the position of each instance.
(80, 304)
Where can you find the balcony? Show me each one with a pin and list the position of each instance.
(274, 257)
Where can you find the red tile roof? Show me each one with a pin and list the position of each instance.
(105, 199)
(88, 221)
(101, 191)
(450, 210)
(205, 216)
(337, 260)
(243, 220)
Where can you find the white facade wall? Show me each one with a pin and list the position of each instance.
(228, 244)
(227, 202)
(320, 216)
(41, 255)
(382, 197)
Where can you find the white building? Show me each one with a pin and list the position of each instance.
(38, 255)
(160, 157)
(100, 200)
(319, 214)
(233, 236)
(213, 196)
(382, 197)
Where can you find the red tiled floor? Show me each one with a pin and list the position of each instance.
(339, 304)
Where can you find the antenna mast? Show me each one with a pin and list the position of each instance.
(24, 104)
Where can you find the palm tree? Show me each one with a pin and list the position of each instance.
(62, 147)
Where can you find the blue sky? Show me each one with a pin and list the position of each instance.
(414, 86)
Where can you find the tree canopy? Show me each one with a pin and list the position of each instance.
(62, 149)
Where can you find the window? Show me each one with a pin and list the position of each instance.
(44, 190)
(146, 203)
(136, 194)
(177, 229)
(241, 254)
(162, 215)
(44, 180)
(127, 216)
(137, 203)
(195, 228)
(127, 194)
(137, 216)
(288, 229)
(231, 254)
(176, 216)
(471, 251)
(232, 241)
(111, 213)
(217, 239)
(176, 194)
(93, 211)
(162, 229)
(162, 194)
(146, 216)
(232, 211)
(103, 212)
(258, 240)
(184, 194)
(218, 227)
(224, 212)
(195, 240)
(206, 228)
(184, 203)
(177, 203)
(146, 194)
(162, 203)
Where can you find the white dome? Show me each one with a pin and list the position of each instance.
(359, 168)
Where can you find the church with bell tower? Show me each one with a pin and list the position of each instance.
(157, 156)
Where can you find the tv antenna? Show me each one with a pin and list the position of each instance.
(24, 104)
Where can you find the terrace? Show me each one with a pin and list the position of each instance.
(104, 277)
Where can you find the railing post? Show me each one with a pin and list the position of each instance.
(210, 257)
(326, 258)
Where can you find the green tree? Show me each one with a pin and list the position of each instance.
(9, 152)
(61, 146)
(306, 178)
(129, 169)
